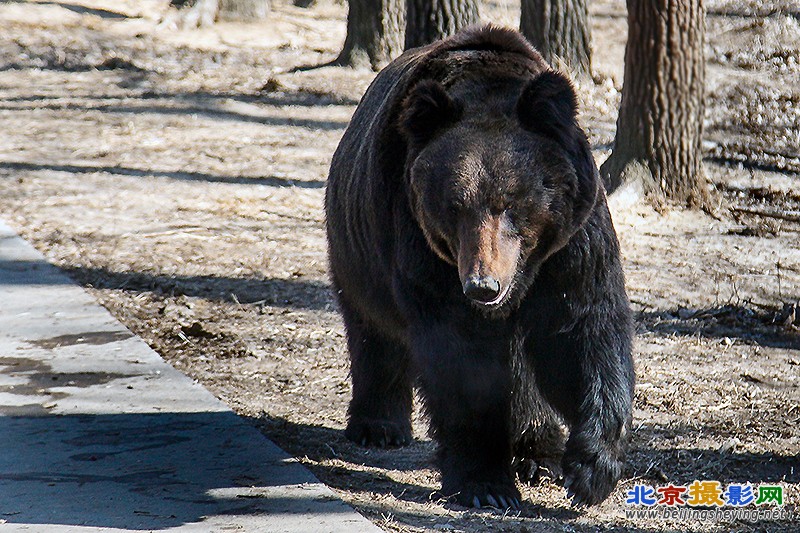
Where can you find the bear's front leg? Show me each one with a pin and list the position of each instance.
(466, 384)
(587, 374)
(595, 451)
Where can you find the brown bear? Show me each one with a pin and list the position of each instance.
(473, 255)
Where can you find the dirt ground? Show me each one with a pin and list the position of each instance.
(179, 175)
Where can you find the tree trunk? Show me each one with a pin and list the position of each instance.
(660, 125)
(374, 33)
(559, 29)
(430, 20)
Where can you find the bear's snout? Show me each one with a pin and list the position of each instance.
(482, 289)
(487, 259)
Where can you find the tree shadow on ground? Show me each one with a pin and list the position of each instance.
(272, 181)
(179, 107)
(278, 98)
(301, 97)
(290, 293)
(680, 464)
(221, 114)
(126, 65)
(736, 158)
(206, 104)
(756, 326)
(77, 8)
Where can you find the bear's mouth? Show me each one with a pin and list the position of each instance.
(496, 302)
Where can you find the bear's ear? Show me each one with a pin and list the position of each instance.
(426, 109)
(548, 106)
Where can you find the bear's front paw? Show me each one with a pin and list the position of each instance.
(589, 479)
(492, 495)
(378, 433)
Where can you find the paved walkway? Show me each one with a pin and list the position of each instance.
(98, 433)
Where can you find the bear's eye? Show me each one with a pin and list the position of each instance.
(500, 207)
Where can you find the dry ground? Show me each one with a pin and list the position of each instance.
(179, 175)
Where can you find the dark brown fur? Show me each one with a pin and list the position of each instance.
(464, 160)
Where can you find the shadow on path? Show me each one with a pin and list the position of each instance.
(291, 293)
(77, 8)
(197, 110)
(271, 181)
(141, 471)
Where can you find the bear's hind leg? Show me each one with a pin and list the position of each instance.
(380, 410)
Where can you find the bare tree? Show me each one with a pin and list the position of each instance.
(429, 20)
(660, 124)
(559, 29)
(206, 12)
(374, 33)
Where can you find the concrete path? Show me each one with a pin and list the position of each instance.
(98, 433)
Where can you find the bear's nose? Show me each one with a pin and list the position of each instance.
(481, 289)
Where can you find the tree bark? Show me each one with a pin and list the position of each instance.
(374, 33)
(430, 20)
(660, 124)
(559, 29)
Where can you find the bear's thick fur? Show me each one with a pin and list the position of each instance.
(472, 254)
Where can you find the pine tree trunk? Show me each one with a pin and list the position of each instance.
(660, 124)
(559, 29)
(374, 33)
(430, 20)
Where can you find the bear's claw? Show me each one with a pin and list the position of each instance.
(378, 433)
(590, 481)
(489, 496)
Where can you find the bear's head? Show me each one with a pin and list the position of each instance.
(500, 176)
